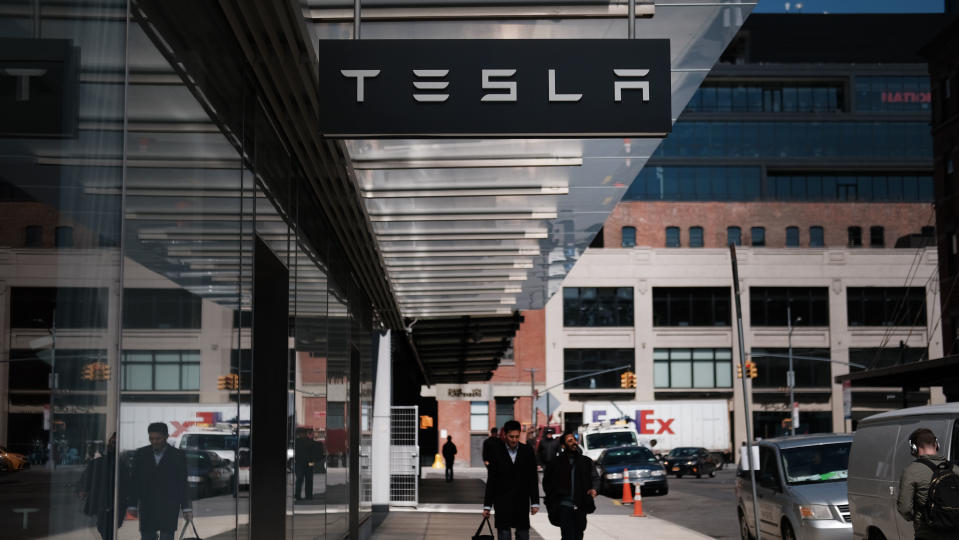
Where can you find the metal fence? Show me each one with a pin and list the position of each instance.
(404, 456)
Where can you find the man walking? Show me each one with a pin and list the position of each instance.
(570, 483)
(490, 444)
(915, 482)
(449, 455)
(96, 486)
(159, 486)
(511, 485)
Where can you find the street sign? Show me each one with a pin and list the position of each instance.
(547, 403)
(494, 88)
(795, 414)
(847, 399)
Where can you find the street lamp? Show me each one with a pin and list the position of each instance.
(791, 375)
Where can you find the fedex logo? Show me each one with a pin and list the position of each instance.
(203, 419)
(646, 424)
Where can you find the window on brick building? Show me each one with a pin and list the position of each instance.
(855, 237)
(63, 236)
(629, 237)
(672, 236)
(877, 237)
(734, 236)
(792, 236)
(758, 236)
(695, 237)
(479, 416)
(816, 236)
(768, 305)
(33, 236)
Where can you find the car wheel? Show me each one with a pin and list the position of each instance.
(876, 535)
(4, 466)
(678, 475)
(664, 491)
(788, 533)
(744, 533)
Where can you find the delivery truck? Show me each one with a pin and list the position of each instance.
(671, 424)
(179, 418)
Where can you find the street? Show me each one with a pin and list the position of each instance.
(706, 505)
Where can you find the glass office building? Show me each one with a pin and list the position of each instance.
(179, 245)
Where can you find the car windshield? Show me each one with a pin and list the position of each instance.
(607, 440)
(213, 441)
(677, 452)
(636, 454)
(814, 464)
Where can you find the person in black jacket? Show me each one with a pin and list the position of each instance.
(570, 483)
(512, 485)
(308, 457)
(490, 444)
(449, 455)
(548, 447)
(159, 486)
(96, 487)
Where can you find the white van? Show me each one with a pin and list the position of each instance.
(880, 452)
(223, 442)
(598, 436)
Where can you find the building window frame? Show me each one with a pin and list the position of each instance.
(692, 306)
(479, 416)
(768, 305)
(886, 306)
(598, 306)
(628, 238)
(696, 237)
(757, 236)
(877, 236)
(734, 236)
(854, 236)
(692, 368)
(792, 236)
(817, 236)
(672, 237)
(137, 362)
(582, 361)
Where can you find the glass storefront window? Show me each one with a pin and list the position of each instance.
(692, 368)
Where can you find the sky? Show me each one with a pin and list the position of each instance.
(851, 6)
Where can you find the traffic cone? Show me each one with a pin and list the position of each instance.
(638, 503)
(627, 492)
(129, 516)
(438, 462)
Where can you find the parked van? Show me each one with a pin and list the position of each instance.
(801, 489)
(880, 452)
(598, 436)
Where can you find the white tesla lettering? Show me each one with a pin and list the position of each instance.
(553, 96)
(431, 85)
(360, 75)
(619, 86)
(23, 76)
(489, 84)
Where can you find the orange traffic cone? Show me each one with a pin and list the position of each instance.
(638, 503)
(129, 515)
(627, 492)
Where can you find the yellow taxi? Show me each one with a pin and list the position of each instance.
(12, 461)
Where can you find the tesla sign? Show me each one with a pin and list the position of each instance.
(494, 88)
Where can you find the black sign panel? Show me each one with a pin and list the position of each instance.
(38, 88)
(494, 88)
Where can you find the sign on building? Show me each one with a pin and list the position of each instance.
(494, 88)
(463, 392)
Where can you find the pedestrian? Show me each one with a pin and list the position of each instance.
(490, 444)
(548, 447)
(512, 485)
(914, 487)
(96, 487)
(159, 486)
(570, 483)
(449, 455)
(306, 455)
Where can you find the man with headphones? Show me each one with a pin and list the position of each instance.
(914, 484)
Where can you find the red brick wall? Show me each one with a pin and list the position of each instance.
(652, 218)
(312, 369)
(529, 351)
(454, 417)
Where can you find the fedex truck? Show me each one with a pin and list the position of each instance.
(179, 418)
(671, 424)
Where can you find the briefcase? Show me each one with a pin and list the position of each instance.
(183, 532)
(479, 529)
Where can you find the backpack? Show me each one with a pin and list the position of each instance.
(942, 501)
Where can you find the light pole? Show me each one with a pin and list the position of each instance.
(791, 375)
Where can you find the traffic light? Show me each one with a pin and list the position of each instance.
(223, 382)
(89, 372)
(752, 370)
(739, 371)
(102, 371)
(632, 380)
(627, 379)
(234, 381)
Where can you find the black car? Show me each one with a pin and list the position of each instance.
(207, 473)
(633, 464)
(691, 460)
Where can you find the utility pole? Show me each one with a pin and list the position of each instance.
(532, 398)
(791, 375)
(54, 383)
(742, 363)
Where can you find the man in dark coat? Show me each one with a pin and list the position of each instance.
(96, 486)
(159, 486)
(570, 483)
(490, 444)
(512, 485)
(307, 457)
(548, 447)
(449, 455)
